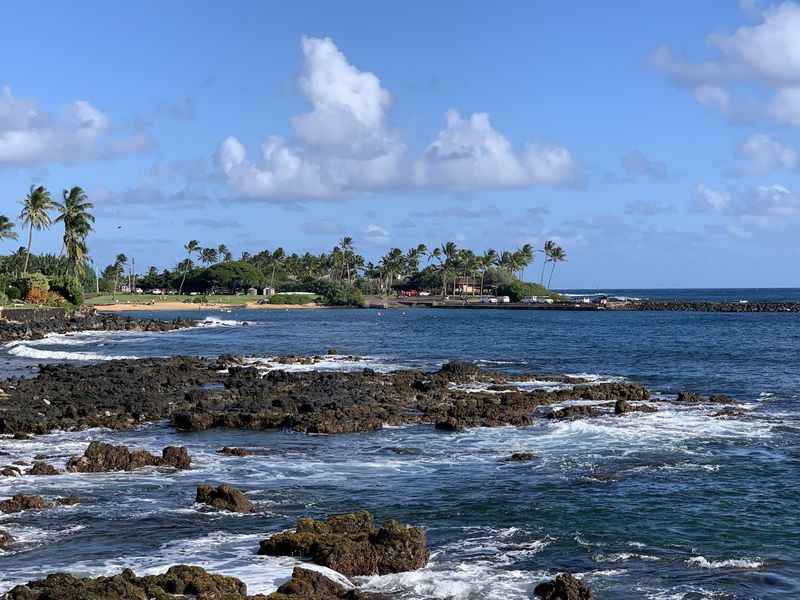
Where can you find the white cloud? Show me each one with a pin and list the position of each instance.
(763, 154)
(773, 202)
(470, 153)
(345, 145)
(707, 198)
(28, 135)
(763, 55)
(375, 234)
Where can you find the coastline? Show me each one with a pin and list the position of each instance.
(159, 306)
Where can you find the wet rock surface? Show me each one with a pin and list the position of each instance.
(101, 457)
(352, 545)
(563, 587)
(178, 582)
(23, 502)
(6, 540)
(306, 584)
(726, 307)
(196, 395)
(42, 468)
(224, 497)
(11, 331)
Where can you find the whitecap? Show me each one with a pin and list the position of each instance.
(730, 563)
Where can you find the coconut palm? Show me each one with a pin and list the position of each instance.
(223, 253)
(7, 229)
(526, 257)
(34, 215)
(208, 256)
(119, 269)
(191, 247)
(547, 250)
(557, 255)
(278, 257)
(487, 261)
(75, 214)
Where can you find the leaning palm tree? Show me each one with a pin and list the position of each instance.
(119, 269)
(487, 261)
(191, 247)
(547, 250)
(34, 215)
(223, 253)
(7, 229)
(557, 255)
(77, 219)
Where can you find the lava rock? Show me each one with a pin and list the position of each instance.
(42, 468)
(306, 584)
(520, 457)
(689, 397)
(224, 497)
(563, 587)
(352, 545)
(6, 540)
(101, 457)
(572, 412)
(235, 451)
(22, 502)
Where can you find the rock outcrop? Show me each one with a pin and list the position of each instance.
(101, 457)
(42, 468)
(179, 582)
(6, 540)
(22, 502)
(563, 587)
(352, 545)
(306, 584)
(224, 497)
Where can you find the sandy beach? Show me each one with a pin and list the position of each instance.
(143, 306)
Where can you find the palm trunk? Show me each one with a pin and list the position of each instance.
(28, 253)
(552, 269)
(544, 266)
(183, 279)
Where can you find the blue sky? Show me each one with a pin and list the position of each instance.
(657, 144)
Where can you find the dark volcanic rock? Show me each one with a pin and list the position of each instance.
(520, 457)
(460, 372)
(101, 457)
(224, 497)
(689, 397)
(42, 468)
(622, 407)
(68, 501)
(563, 587)
(306, 584)
(10, 471)
(352, 545)
(21, 502)
(236, 451)
(178, 582)
(572, 412)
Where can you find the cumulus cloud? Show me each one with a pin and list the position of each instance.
(471, 153)
(28, 135)
(762, 154)
(345, 145)
(375, 234)
(710, 199)
(763, 55)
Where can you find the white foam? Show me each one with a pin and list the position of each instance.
(731, 563)
(25, 351)
(211, 321)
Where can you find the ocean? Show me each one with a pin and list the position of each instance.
(674, 504)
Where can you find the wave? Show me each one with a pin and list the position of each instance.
(217, 322)
(25, 351)
(731, 563)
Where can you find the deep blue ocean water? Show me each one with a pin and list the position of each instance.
(675, 504)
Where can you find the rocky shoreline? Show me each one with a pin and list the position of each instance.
(712, 307)
(13, 331)
(195, 394)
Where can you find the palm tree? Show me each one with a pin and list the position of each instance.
(209, 256)
(34, 215)
(191, 247)
(557, 255)
(278, 256)
(547, 250)
(7, 229)
(450, 258)
(223, 253)
(346, 249)
(487, 261)
(119, 268)
(74, 213)
(526, 257)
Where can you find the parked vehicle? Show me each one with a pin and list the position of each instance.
(505, 299)
(490, 300)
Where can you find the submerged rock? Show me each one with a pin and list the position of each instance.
(563, 587)
(10, 471)
(520, 457)
(178, 582)
(224, 497)
(101, 457)
(352, 545)
(236, 451)
(42, 468)
(22, 502)
(306, 584)
(572, 412)
(623, 407)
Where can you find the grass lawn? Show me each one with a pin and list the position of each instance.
(145, 298)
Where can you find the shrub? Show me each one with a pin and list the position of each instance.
(3, 298)
(13, 292)
(37, 296)
(334, 293)
(68, 287)
(55, 299)
(32, 281)
(517, 290)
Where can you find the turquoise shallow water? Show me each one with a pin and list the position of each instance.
(677, 504)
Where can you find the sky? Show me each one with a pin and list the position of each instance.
(657, 143)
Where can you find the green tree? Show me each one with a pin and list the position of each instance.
(208, 256)
(557, 255)
(75, 214)
(223, 253)
(118, 268)
(191, 247)
(34, 215)
(547, 251)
